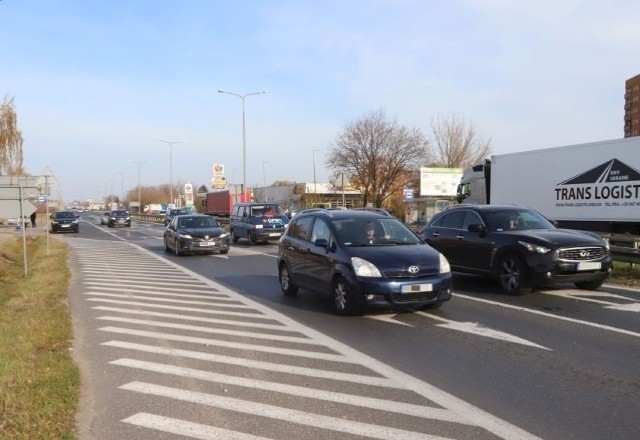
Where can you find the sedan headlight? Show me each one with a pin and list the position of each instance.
(363, 268)
(536, 248)
(444, 264)
(223, 235)
(182, 235)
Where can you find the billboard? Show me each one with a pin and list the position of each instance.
(439, 182)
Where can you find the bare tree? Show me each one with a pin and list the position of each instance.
(10, 139)
(378, 156)
(457, 143)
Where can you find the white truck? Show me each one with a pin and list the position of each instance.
(593, 186)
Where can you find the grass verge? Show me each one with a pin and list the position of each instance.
(39, 381)
(625, 274)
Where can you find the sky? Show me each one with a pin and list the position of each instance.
(97, 84)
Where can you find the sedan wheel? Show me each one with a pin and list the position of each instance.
(176, 249)
(343, 300)
(167, 249)
(512, 275)
(287, 286)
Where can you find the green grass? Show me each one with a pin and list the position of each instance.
(625, 274)
(39, 381)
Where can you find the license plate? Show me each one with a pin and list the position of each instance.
(206, 243)
(589, 265)
(275, 234)
(413, 288)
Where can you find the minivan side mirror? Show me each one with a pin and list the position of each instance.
(322, 242)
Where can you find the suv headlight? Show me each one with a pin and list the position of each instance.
(365, 269)
(536, 248)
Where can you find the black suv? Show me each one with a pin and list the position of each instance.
(64, 221)
(517, 246)
(361, 258)
(119, 217)
(172, 212)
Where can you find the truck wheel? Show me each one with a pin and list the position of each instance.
(252, 238)
(287, 286)
(589, 285)
(234, 237)
(344, 302)
(512, 275)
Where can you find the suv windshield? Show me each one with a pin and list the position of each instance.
(516, 219)
(120, 213)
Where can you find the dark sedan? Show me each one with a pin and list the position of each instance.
(361, 259)
(198, 233)
(64, 221)
(518, 246)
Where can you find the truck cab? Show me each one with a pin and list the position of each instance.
(474, 184)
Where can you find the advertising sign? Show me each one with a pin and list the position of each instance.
(439, 182)
(218, 170)
(188, 194)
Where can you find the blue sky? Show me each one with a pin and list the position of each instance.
(96, 82)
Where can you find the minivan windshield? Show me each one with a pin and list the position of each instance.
(377, 231)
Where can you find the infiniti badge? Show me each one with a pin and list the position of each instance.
(585, 254)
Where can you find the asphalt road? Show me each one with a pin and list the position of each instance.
(208, 347)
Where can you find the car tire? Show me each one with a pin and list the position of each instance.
(252, 239)
(344, 302)
(224, 252)
(176, 249)
(512, 275)
(234, 237)
(167, 249)
(287, 286)
(589, 285)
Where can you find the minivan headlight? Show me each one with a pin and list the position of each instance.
(444, 264)
(363, 268)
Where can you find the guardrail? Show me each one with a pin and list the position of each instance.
(624, 248)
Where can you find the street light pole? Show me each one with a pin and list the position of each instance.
(139, 198)
(170, 166)
(264, 180)
(122, 173)
(244, 135)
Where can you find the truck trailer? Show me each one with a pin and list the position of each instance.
(592, 186)
(219, 203)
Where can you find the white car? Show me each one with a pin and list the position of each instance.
(104, 218)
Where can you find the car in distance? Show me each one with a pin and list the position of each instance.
(330, 251)
(119, 217)
(104, 217)
(517, 246)
(257, 222)
(196, 233)
(64, 221)
(172, 212)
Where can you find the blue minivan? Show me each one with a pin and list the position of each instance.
(257, 222)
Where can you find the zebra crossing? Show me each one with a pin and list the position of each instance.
(231, 368)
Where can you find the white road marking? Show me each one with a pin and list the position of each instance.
(187, 429)
(388, 318)
(215, 309)
(311, 393)
(477, 329)
(588, 297)
(214, 301)
(279, 413)
(552, 316)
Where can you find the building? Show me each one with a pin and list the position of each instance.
(632, 107)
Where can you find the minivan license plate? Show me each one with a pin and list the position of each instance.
(413, 288)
